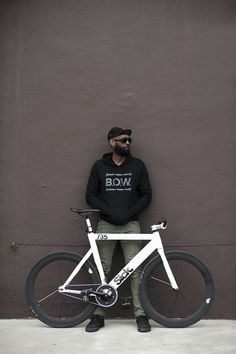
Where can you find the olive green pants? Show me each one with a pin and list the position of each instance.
(130, 249)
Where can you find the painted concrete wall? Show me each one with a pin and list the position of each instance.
(70, 70)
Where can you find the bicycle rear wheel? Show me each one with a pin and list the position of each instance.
(47, 303)
(173, 308)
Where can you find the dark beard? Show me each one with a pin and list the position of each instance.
(121, 151)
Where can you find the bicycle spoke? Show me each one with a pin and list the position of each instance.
(174, 305)
(46, 297)
(185, 302)
(161, 281)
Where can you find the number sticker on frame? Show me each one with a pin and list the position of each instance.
(102, 237)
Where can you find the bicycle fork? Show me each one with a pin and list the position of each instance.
(168, 269)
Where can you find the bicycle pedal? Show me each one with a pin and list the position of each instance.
(126, 302)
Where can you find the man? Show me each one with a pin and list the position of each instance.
(119, 186)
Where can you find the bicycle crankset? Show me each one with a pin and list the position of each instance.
(106, 295)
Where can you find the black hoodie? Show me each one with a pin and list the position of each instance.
(120, 192)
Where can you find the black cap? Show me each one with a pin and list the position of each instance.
(118, 131)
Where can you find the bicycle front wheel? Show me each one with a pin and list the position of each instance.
(185, 306)
(47, 303)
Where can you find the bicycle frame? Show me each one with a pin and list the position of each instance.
(154, 243)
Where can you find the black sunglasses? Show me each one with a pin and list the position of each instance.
(124, 140)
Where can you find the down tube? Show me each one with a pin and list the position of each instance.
(133, 264)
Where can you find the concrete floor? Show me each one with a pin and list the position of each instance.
(118, 336)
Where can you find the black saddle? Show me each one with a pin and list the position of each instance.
(85, 212)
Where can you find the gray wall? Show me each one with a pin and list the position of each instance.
(72, 69)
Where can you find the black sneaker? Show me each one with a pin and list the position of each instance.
(143, 324)
(95, 324)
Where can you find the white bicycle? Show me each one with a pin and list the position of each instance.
(176, 289)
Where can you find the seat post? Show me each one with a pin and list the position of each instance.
(90, 229)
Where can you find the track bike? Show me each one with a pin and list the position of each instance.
(176, 289)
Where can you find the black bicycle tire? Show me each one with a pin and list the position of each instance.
(29, 289)
(174, 322)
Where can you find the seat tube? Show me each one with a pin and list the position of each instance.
(95, 252)
(96, 257)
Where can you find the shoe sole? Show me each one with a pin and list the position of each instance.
(93, 329)
(144, 330)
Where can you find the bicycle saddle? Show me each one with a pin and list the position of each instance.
(85, 212)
